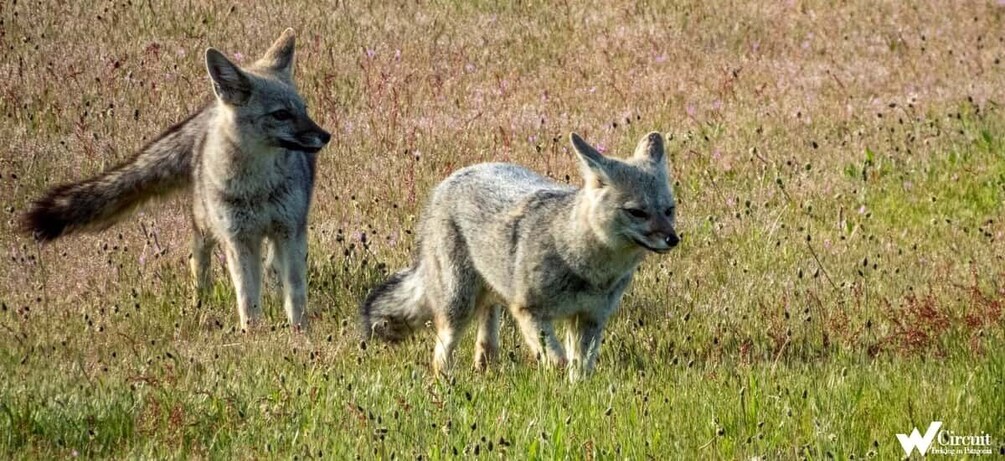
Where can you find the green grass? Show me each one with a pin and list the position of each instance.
(307, 406)
(840, 171)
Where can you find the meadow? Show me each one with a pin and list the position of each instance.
(840, 175)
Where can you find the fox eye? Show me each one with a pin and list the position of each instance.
(281, 115)
(668, 212)
(637, 213)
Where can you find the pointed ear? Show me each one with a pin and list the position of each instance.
(230, 83)
(595, 165)
(279, 58)
(651, 147)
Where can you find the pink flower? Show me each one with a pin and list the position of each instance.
(690, 110)
(239, 57)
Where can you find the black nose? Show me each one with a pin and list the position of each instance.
(325, 137)
(672, 240)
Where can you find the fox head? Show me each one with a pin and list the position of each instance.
(630, 201)
(263, 101)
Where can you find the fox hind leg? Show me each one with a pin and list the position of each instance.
(487, 342)
(452, 288)
(199, 263)
(454, 298)
(448, 331)
(290, 264)
(272, 269)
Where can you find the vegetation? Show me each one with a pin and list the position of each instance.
(840, 171)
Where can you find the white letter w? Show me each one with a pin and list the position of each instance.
(916, 440)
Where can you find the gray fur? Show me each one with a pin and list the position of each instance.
(501, 234)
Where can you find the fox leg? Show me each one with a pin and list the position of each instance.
(244, 260)
(539, 333)
(448, 330)
(199, 263)
(272, 269)
(290, 263)
(583, 343)
(487, 342)
(452, 288)
(454, 297)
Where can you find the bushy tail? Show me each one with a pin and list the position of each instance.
(162, 166)
(396, 308)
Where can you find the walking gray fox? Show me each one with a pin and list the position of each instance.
(500, 234)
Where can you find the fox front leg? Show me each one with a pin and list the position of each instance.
(244, 260)
(539, 334)
(583, 343)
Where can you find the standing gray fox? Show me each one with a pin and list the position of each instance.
(248, 160)
(500, 234)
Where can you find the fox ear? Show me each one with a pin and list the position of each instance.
(230, 83)
(279, 58)
(595, 165)
(651, 147)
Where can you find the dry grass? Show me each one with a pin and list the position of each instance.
(841, 181)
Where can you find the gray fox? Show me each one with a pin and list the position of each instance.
(496, 234)
(248, 159)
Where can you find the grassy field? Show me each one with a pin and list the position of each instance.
(840, 171)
